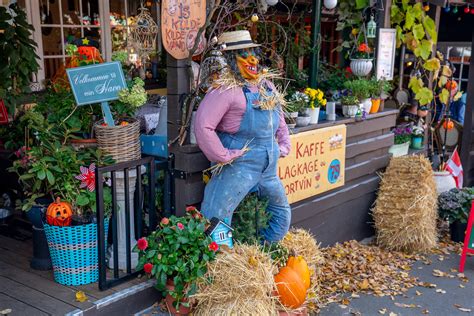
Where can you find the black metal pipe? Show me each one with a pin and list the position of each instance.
(314, 55)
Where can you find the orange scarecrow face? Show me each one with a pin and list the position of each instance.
(247, 63)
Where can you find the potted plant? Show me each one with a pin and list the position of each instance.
(417, 137)
(291, 113)
(361, 88)
(401, 141)
(361, 60)
(350, 105)
(299, 102)
(316, 101)
(454, 207)
(176, 255)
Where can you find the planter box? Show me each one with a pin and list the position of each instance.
(399, 149)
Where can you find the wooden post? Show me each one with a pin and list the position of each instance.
(466, 142)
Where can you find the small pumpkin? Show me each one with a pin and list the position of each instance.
(448, 124)
(59, 213)
(301, 267)
(89, 52)
(290, 287)
(451, 85)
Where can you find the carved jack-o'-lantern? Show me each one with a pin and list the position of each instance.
(59, 213)
(90, 52)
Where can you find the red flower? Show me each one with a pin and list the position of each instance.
(165, 221)
(364, 48)
(180, 226)
(213, 246)
(142, 243)
(148, 267)
(191, 208)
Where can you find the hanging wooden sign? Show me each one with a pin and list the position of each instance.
(180, 23)
(315, 163)
(468, 240)
(386, 54)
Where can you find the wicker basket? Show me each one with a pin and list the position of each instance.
(120, 142)
(74, 252)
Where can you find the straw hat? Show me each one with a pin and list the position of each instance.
(236, 40)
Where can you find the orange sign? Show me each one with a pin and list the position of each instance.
(315, 164)
(180, 23)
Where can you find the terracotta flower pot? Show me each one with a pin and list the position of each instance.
(182, 310)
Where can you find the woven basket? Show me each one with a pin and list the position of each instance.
(74, 252)
(120, 142)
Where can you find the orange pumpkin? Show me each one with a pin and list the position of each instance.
(90, 52)
(291, 289)
(301, 267)
(59, 213)
(448, 124)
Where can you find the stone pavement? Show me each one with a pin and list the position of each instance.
(445, 299)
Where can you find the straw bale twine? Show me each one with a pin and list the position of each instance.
(405, 211)
(241, 284)
(302, 243)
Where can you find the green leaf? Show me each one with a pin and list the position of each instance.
(50, 177)
(432, 64)
(151, 254)
(82, 200)
(430, 28)
(415, 84)
(41, 174)
(424, 49)
(419, 31)
(444, 96)
(424, 96)
(409, 19)
(360, 4)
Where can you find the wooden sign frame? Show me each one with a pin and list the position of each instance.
(468, 239)
(386, 54)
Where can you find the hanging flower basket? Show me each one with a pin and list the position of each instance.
(361, 67)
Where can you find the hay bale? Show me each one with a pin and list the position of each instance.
(405, 211)
(302, 243)
(242, 284)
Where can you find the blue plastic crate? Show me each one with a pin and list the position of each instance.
(74, 252)
(154, 145)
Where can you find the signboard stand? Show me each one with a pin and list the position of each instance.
(386, 54)
(108, 119)
(468, 240)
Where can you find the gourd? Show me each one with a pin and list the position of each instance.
(448, 124)
(291, 289)
(299, 265)
(59, 213)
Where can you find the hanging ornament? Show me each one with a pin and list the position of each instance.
(271, 2)
(254, 18)
(330, 4)
(467, 10)
(455, 10)
(447, 8)
(426, 7)
(371, 28)
(143, 33)
(472, 11)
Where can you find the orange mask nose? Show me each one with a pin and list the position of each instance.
(248, 66)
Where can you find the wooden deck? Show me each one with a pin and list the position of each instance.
(31, 292)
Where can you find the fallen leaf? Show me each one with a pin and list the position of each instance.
(6, 311)
(406, 305)
(345, 301)
(342, 306)
(418, 293)
(392, 314)
(462, 286)
(382, 311)
(462, 309)
(355, 295)
(441, 291)
(364, 285)
(81, 296)
(425, 311)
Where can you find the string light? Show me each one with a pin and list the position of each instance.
(466, 9)
(426, 6)
(455, 10)
(447, 8)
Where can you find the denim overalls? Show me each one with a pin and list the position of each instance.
(256, 168)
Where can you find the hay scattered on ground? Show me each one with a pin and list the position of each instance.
(242, 284)
(405, 213)
(352, 268)
(302, 243)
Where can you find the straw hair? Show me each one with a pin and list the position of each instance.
(120, 142)
(238, 282)
(405, 212)
(236, 40)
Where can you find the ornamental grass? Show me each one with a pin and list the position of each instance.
(405, 211)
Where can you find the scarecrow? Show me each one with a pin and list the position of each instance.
(240, 127)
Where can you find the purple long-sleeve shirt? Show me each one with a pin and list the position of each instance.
(222, 110)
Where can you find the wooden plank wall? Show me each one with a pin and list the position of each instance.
(338, 215)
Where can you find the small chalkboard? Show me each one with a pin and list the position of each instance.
(468, 240)
(97, 84)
